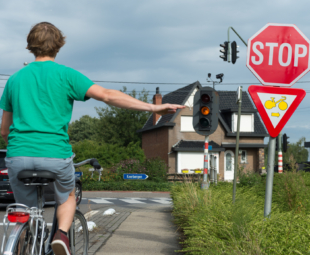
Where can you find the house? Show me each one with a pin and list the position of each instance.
(172, 137)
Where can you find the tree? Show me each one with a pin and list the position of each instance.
(119, 126)
(297, 150)
(83, 129)
(2, 143)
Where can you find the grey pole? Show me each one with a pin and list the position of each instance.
(270, 173)
(211, 169)
(237, 144)
(205, 184)
(213, 165)
(215, 170)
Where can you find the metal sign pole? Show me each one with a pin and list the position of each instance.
(270, 174)
(211, 169)
(237, 142)
(215, 170)
(205, 184)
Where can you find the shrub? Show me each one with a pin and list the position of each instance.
(248, 178)
(212, 224)
(129, 185)
(156, 169)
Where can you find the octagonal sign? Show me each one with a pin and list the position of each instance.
(278, 55)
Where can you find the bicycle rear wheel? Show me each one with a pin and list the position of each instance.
(25, 242)
(78, 235)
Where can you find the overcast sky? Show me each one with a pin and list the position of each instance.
(164, 41)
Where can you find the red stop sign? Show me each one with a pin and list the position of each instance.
(278, 55)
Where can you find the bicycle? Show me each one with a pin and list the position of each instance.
(269, 104)
(30, 235)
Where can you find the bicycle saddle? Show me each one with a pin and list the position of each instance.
(31, 177)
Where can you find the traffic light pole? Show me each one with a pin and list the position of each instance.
(280, 159)
(270, 174)
(237, 143)
(205, 184)
(237, 35)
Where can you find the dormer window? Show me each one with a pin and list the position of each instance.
(246, 122)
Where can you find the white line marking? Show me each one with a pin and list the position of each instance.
(101, 201)
(89, 214)
(161, 201)
(112, 198)
(132, 201)
(138, 198)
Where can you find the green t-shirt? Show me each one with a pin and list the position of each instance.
(41, 97)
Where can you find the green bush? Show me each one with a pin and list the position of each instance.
(128, 185)
(248, 178)
(212, 224)
(107, 154)
(156, 169)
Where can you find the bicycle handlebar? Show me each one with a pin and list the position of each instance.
(93, 162)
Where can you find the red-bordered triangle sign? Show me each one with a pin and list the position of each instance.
(276, 105)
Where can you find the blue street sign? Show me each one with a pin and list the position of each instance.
(135, 176)
(209, 147)
(78, 174)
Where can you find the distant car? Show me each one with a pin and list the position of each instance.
(6, 193)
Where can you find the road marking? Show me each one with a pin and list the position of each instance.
(89, 214)
(101, 201)
(162, 201)
(132, 201)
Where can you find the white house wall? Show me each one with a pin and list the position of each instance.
(193, 160)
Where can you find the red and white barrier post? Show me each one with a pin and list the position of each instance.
(280, 159)
(205, 184)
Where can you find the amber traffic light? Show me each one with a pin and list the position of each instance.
(205, 112)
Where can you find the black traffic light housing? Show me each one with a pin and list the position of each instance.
(234, 51)
(285, 142)
(206, 111)
(224, 50)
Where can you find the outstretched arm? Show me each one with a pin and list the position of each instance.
(122, 100)
(7, 120)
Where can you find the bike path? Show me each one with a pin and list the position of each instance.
(135, 230)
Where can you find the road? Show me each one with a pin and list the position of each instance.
(94, 200)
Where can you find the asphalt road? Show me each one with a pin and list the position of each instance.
(99, 199)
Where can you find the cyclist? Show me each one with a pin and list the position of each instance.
(37, 106)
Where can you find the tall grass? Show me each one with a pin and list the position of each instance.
(212, 224)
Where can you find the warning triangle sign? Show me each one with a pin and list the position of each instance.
(276, 105)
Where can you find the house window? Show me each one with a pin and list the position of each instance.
(187, 124)
(244, 158)
(246, 122)
(228, 162)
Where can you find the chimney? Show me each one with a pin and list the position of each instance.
(157, 99)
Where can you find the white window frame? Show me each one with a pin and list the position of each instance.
(243, 161)
(186, 124)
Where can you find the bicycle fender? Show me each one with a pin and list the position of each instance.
(13, 238)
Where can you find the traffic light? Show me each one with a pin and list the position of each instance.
(285, 142)
(234, 51)
(205, 111)
(277, 144)
(224, 50)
